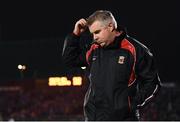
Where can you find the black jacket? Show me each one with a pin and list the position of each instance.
(123, 76)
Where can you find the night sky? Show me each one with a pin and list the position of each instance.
(34, 33)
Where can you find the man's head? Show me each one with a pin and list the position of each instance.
(102, 25)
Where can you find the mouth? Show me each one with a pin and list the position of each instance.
(102, 44)
(99, 43)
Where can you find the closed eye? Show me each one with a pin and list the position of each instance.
(97, 31)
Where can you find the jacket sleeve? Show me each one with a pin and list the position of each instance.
(72, 54)
(147, 77)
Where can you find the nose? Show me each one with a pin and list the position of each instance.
(95, 37)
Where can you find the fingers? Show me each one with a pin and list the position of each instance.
(82, 23)
(80, 26)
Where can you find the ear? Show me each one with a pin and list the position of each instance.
(111, 27)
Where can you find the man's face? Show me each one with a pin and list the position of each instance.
(101, 34)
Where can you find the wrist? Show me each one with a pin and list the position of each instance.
(75, 33)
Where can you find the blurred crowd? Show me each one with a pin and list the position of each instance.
(42, 104)
(165, 106)
(66, 103)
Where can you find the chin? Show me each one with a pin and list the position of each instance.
(103, 44)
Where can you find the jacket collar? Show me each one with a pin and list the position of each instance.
(115, 44)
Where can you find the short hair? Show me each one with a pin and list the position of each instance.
(101, 15)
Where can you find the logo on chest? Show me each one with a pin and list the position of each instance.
(121, 59)
(94, 58)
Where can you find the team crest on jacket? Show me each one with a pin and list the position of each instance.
(121, 59)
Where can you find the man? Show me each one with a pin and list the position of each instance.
(122, 72)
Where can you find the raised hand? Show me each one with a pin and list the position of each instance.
(80, 27)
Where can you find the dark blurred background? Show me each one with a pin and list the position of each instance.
(32, 34)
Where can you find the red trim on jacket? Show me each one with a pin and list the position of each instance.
(93, 47)
(129, 103)
(125, 44)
